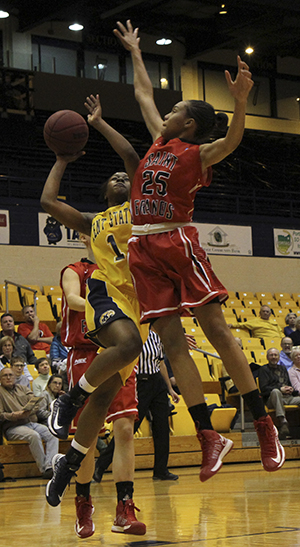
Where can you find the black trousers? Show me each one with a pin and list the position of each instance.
(152, 396)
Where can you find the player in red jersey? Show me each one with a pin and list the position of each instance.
(165, 256)
(122, 411)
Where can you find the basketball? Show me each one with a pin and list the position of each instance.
(66, 132)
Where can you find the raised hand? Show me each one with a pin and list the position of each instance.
(127, 36)
(94, 107)
(242, 85)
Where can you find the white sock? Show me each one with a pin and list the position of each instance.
(79, 447)
(83, 383)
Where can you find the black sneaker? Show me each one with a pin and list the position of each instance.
(62, 411)
(98, 473)
(166, 477)
(62, 475)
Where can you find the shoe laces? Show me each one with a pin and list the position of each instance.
(129, 508)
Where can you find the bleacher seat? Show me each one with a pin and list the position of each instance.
(202, 366)
(221, 418)
(271, 302)
(243, 314)
(296, 297)
(286, 303)
(240, 333)
(182, 423)
(280, 295)
(233, 303)
(260, 295)
(249, 295)
(272, 343)
(251, 303)
(39, 353)
(52, 289)
(252, 344)
(34, 373)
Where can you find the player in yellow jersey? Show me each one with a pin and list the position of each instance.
(112, 311)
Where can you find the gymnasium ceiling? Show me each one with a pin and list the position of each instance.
(271, 26)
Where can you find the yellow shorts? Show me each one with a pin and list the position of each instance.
(106, 303)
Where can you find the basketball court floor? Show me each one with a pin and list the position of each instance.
(242, 506)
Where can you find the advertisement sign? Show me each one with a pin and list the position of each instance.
(286, 242)
(4, 227)
(54, 234)
(225, 239)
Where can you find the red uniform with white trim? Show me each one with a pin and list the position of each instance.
(169, 262)
(83, 351)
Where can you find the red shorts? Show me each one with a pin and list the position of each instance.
(78, 362)
(171, 272)
(125, 402)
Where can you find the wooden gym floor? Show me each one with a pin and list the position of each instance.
(242, 506)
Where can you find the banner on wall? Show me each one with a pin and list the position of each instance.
(225, 239)
(54, 234)
(286, 242)
(4, 227)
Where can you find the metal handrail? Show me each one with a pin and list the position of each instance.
(7, 282)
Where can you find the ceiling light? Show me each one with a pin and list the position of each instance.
(76, 27)
(3, 14)
(249, 50)
(223, 10)
(164, 42)
(298, 99)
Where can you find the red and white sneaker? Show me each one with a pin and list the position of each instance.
(214, 448)
(84, 526)
(126, 521)
(272, 452)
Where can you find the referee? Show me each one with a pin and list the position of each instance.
(153, 385)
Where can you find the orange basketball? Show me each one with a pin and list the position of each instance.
(66, 132)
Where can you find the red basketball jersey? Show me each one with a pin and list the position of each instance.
(166, 182)
(73, 322)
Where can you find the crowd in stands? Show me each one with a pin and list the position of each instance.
(274, 360)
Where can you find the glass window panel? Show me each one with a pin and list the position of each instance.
(58, 60)
(102, 66)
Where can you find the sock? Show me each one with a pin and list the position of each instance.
(124, 490)
(83, 489)
(200, 415)
(255, 404)
(76, 453)
(78, 395)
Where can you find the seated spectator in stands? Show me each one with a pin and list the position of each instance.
(17, 365)
(58, 352)
(7, 351)
(261, 326)
(52, 391)
(290, 320)
(21, 425)
(21, 345)
(7, 347)
(38, 334)
(294, 371)
(277, 390)
(39, 384)
(285, 354)
(295, 336)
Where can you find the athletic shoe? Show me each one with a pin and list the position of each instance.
(48, 473)
(126, 521)
(62, 475)
(272, 452)
(166, 477)
(98, 473)
(84, 526)
(62, 411)
(214, 448)
(284, 432)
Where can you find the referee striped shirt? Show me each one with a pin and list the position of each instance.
(151, 355)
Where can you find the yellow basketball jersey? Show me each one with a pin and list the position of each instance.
(110, 232)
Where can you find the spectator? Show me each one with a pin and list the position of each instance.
(285, 354)
(153, 385)
(52, 391)
(261, 326)
(295, 336)
(39, 384)
(21, 425)
(277, 390)
(58, 352)
(290, 320)
(38, 334)
(7, 347)
(17, 365)
(21, 345)
(294, 371)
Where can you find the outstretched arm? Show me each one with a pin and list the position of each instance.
(63, 212)
(239, 88)
(142, 85)
(117, 141)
